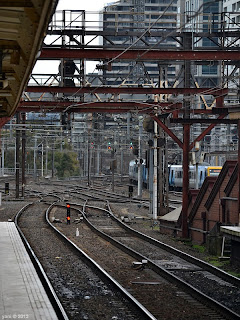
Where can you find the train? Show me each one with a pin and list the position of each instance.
(175, 174)
(133, 172)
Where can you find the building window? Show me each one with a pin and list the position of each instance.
(209, 69)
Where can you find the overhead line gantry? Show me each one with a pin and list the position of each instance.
(80, 51)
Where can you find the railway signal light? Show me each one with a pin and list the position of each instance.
(68, 213)
(6, 187)
(40, 149)
(109, 146)
(131, 145)
(68, 209)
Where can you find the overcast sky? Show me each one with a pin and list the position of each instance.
(88, 5)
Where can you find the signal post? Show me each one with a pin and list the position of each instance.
(68, 213)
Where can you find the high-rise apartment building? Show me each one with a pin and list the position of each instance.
(231, 13)
(136, 21)
(202, 16)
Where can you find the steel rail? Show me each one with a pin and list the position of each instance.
(144, 312)
(198, 295)
(40, 271)
(216, 271)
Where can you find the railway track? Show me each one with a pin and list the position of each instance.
(61, 314)
(161, 291)
(168, 309)
(218, 289)
(85, 290)
(95, 194)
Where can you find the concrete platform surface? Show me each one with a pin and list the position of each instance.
(231, 231)
(22, 295)
(172, 216)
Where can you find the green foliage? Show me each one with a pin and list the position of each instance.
(199, 248)
(66, 164)
(217, 263)
(9, 159)
(235, 274)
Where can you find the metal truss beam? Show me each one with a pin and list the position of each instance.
(120, 107)
(168, 131)
(213, 121)
(127, 90)
(86, 107)
(205, 132)
(139, 55)
(131, 33)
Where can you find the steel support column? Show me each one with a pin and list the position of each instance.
(186, 140)
(17, 155)
(220, 101)
(23, 153)
(187, 44)
(239, 170)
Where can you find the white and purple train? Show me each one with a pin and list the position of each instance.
(175, 174)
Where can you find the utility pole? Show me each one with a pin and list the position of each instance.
(46, 159)
(160, 174)
(98, 160)
(187, 45)
(23, 153)
(53, 158)
(140, 171)
(113, 169)
(34, 159)
(238, 168)
(3, 151)
(121, 168)
(88, 162)
(17, 154)
(150, 184)
(155, 172)
(128, 124)
(166, 174)
(162, 162)
(42, 158)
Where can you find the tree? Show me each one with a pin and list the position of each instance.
(66, 164)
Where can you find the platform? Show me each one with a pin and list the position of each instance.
(172, 216)
(231, 232)
(22, 295)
